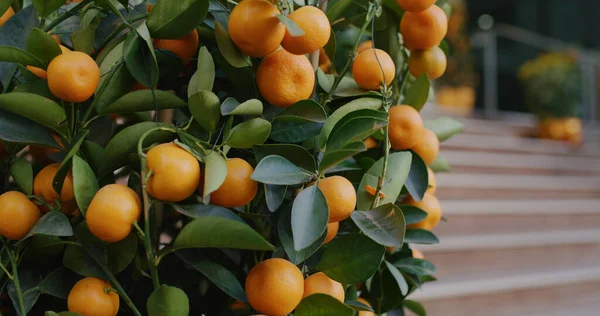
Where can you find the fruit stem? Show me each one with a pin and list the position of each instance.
(403, 84)
(66, 15)
(10, 277)
(15, 278)
(119, 289)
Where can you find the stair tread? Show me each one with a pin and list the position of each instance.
(512, 182)
(520, 207)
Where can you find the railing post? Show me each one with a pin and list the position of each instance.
(490, 74)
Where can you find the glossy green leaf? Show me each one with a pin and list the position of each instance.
(354, 130)
(296, 154)
(46, 7)
(337, 10)
(17, 129)
(418, 93)
(358, 306)
(39, 87)
(412, 214)
(397, 172)
(310, 215)
(52, 224)
(249, 133)
(420, 236)
(330, 47)
(333, 157)
(140, 59)
(204, 77)
(418, 178)
(294, 29)
(232, 107)
(205, 107)
(444, 127)
(294, 129)
(307, 109)
(274, 196)
(22, 173)
(83, 40)
(4, 4)
(202, 210)
(322, 305)
(384, 224)
(115, 79)
(168, 301)
(85, 184)
(58, 283)
(398, 277)
(218, 232)
(34, 107)
(231, 54)
(12, 54)
(120, 254)
(415, 266)
(145, 100)
(275, 169)
(27, 282)
(415, 307)
(440, 164)
(215, 172)
(41, 45)
(346, 88)
(351, 258)
(175, 18)
(284, 231)
(65, 165)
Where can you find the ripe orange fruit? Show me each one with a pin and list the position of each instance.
(238, 189)
(332, 229)
(112, 211)
(428, 146)
(370, 142)
(41, 72)
(18, 215)
(415, 5)
(364, 46)
(572, 126)
(405, 127)
(42, 185)
(367, 71)
(184, 47)
(284, 79)
(176, 172)
(431, 181)
(431, 205)
(425, 29)
(340, 195)
(316, 29)
(365, 313)
(417, 254)
(73, 76)
(255, 28)
(430, 61)
(7, 15)
(321, 283)
(274, 287)
(89, 298)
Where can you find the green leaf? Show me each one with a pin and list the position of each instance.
(297, 155)
(22, 172)
(111, 6)
(333, 157)
(205, 107)
(85, 184)
(384, 224)
(415, 307)
(232, 107)
(217, 274)
(218, 232)
(330, 47)
(122, 253)
(145, 100)
(420, 236)
(294, 29)
(284, 231)
(34, 107)
(249, 133)
(351, 258)
(397, 172)
(204, 77)
(412, 214)
(398, 277)
(4, 4)
(310, 215)
(175, 18)
(353, 130)
(294, 129)
(444, 127)
(307, 109)
(41, 45)
(83, 40)
(58, 283)
(12, 54)
(440, 164)
(358, 306)
(322, 305)
(52, 224)
(115, 80)
(139, 56)
(202, 210)
(231, 54)
(347, 87)
(415, 266)
(27, 282)
(39, 87)
(274, 196)
(65, 165)
(337, 10)
(418, 93)
(168, 301)
(215, 172)
(17, 129)
(275, 169)
(418, 178)
(46, 7)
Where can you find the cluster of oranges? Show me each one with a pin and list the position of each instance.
(569, 129)
(424, 25)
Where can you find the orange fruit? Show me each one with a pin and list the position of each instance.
(41, 72)
(332, 229)
(431, 205)
(432, 184)
(7, 15)
(18, 215)
(430, 61)
(425, 29)
(572, 126)
(405, 127)
(316, 29)
(415, 5)
(176, 173)
(340, 195)
(364, 46)
(89, 298)
(184, 47)
(367, 71)
(365, 313)
(274, 287)
(73, 76)
(555, 129)
(238, 189)
(417, 254)
(42, 186)
(321, 283)
(370, 142)
(112, 211)
(255, 28)
(428, 146)
(284, 79)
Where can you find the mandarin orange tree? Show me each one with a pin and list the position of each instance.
(208, 157)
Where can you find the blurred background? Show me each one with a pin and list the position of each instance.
(522, 230)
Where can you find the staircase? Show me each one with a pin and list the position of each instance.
(522, 235)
